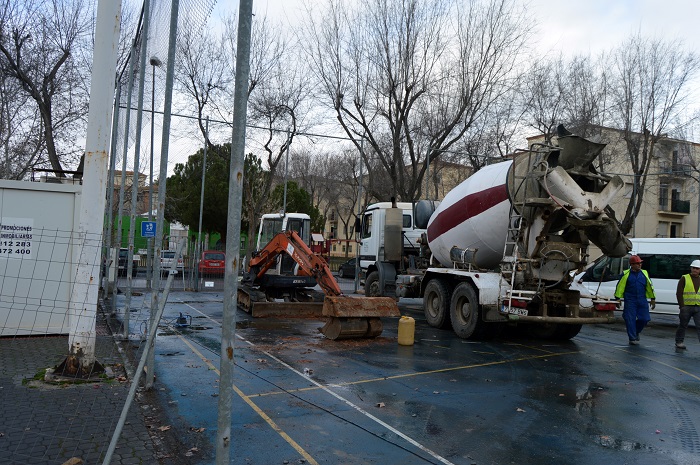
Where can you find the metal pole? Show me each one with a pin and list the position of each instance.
(224, 441)
(110, 194)
(427, 176)
(122, 187)
(165, 144)
(286, 170)
(135, 182)
(155, 62)
(201, 206)
(358, 234)
(634, 205)
(698, 208)
(84, 292)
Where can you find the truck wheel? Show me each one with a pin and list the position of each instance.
(566, 332)
(436, 303)
(544, 330)
(464, 312)
(372, 285)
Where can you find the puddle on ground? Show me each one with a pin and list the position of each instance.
(264, 324)
(620, 444)
(582, 398)
(692, 388)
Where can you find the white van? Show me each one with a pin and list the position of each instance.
(666, 260)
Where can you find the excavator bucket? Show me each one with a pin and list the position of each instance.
(353, 318)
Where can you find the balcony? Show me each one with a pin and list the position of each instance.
(675, 169)
(678, 208)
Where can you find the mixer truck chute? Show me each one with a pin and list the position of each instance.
(503, 244)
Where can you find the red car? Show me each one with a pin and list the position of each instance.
(212, 262)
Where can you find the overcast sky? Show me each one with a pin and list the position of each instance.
(579, 26)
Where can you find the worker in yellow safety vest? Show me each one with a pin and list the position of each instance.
(688, 296)
(635, 288)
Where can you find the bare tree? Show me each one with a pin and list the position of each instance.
(21, 142)
(411, 77)
(203, 73)
(332, 179)
(651, 79)
(39, 46)
(543, 96)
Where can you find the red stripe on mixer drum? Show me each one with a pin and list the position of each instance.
(466, 208)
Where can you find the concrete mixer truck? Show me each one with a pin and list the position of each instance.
(503, 246)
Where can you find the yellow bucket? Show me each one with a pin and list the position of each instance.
(407, 328)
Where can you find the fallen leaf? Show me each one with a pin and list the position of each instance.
(164, 428)
(380, 404)
(519, 410)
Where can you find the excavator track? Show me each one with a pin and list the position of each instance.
(256, 303)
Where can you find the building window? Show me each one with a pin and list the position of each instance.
(663, 197)
(662, 229)
(676, 230)
(343, 249)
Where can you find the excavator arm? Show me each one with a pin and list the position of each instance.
(348, 317)
(290, 243)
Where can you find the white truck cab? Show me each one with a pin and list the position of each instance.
(373, 224)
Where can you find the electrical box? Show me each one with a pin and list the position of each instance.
(38, 222)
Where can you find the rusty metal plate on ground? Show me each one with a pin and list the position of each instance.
(360, 307)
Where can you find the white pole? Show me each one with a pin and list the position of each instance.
(83, 301)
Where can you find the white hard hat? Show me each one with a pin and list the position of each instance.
(695, 264)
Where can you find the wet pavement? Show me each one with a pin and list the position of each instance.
(301, 398)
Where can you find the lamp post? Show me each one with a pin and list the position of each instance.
(155, 62)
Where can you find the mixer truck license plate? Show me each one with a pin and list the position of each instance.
(514, 310)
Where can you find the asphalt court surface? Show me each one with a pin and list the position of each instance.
(301, 397)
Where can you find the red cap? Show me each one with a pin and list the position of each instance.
(635, 259)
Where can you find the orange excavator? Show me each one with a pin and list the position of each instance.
(347, 317)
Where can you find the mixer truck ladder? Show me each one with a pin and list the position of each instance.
(509, 263)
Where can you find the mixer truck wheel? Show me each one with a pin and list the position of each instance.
(372, 285)
(544, 330)
(464, 312)
(566, 332)
(436, 303)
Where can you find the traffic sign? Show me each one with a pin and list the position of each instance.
(148, 229)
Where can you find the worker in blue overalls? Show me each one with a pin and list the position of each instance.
(635, 287)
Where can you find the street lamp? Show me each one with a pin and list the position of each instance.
(155, 62)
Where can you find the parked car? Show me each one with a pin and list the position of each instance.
(122, 266)
(166, 261)
(212, 262)
(347, 269)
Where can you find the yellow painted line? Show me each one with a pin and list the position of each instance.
(660, 363)
(421, 373)
(252, 405)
